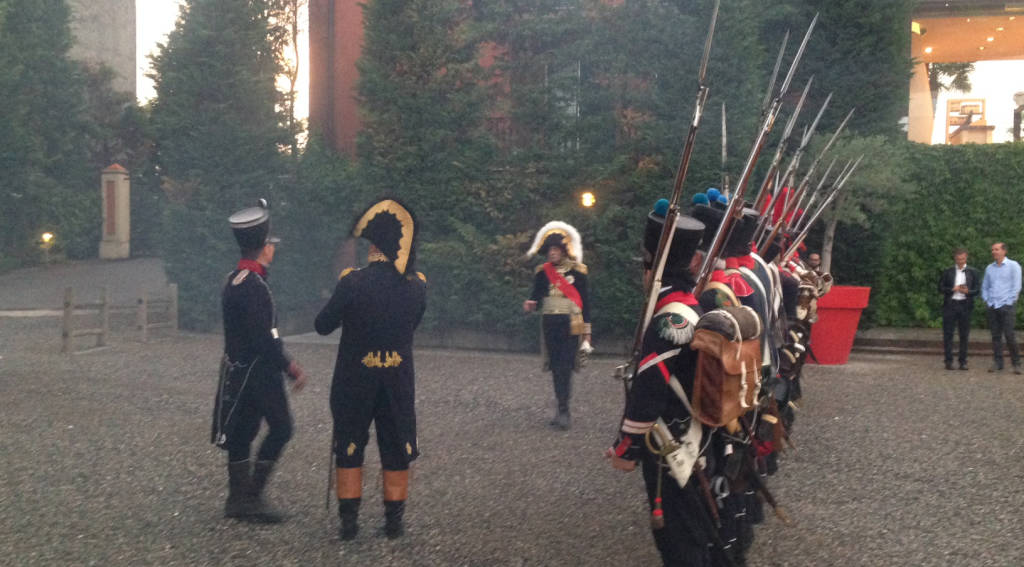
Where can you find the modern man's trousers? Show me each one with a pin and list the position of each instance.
(1001, 322)
(956, 315)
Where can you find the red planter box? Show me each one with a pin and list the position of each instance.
(838, 315)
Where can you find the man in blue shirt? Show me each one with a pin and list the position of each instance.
(1000, 289)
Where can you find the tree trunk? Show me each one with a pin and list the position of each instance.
(826, 244)
(830, 235)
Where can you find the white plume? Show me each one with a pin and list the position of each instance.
(565, 229)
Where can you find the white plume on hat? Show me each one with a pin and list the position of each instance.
(574, 246)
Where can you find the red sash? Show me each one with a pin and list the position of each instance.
(562, 284)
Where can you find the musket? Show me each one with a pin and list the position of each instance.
(780, 150)
(775, 75)
(736, 202)
(800, 207)
(840, 182)
(791, 169)
(806, 180)
(668, 231)
(725, 156)
(801, 213)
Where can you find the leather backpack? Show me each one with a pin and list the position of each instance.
(728, 377)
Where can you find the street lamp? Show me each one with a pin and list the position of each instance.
(587, 199)
(47, 242)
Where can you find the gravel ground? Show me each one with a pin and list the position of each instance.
(104, 460)
(43, 286)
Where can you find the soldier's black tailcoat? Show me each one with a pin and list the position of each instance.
(377, 309)
(254, 355)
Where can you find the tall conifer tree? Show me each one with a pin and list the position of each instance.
(45, 179)
(220, 134)
(422, 104)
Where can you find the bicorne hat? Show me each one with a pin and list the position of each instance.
(561, 234)
(390, 226)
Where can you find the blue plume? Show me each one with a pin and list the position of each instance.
(701, 199)
(723, 199)
(661, 207)
(713, 193)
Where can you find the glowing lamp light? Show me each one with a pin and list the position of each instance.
(588, 199)
(990, 39)
(47, 237)
(928, 50)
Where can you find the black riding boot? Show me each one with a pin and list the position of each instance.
(563, 390)
(239, 503)
(393, 512)
(263, 512)
(348, 511)
(396, 491)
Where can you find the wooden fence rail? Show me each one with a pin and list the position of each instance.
(101, 332)
(144, 306)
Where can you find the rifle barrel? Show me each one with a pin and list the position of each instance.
(741, 186)
(668, 231)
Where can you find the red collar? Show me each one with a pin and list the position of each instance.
(684, 297)
(737, 262)
(252, 266)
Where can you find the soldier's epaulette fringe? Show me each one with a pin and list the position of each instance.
(346, 272)
(420, 275)
(240, 277)
(538, 269)
(581, 268)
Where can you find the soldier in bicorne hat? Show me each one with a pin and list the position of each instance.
(251, 387)
(560, 286)
(377, 307)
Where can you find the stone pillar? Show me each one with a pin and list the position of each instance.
(115, 188)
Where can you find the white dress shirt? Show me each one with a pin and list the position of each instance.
(961, 279)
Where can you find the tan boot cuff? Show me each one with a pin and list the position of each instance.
(350, 482)
(396, 485)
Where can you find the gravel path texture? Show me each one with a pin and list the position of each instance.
(105, 460)
(42, 287)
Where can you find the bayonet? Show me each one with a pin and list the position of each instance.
(736, 202)
(780, 150)
(725, 156)
(668, 231)
(807, 177)
(775, 75)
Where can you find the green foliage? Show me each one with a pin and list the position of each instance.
(44, 164)
(313, 220)
(476, 281)
(422, 103)
(589, 96)
(860, 51)
(968, 198)
(220, 135)
(957, 75)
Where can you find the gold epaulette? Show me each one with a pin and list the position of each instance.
(346, 272)
(420, 275)
(581, 268)
(539, 269)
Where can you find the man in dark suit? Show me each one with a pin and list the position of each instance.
(959, 285)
